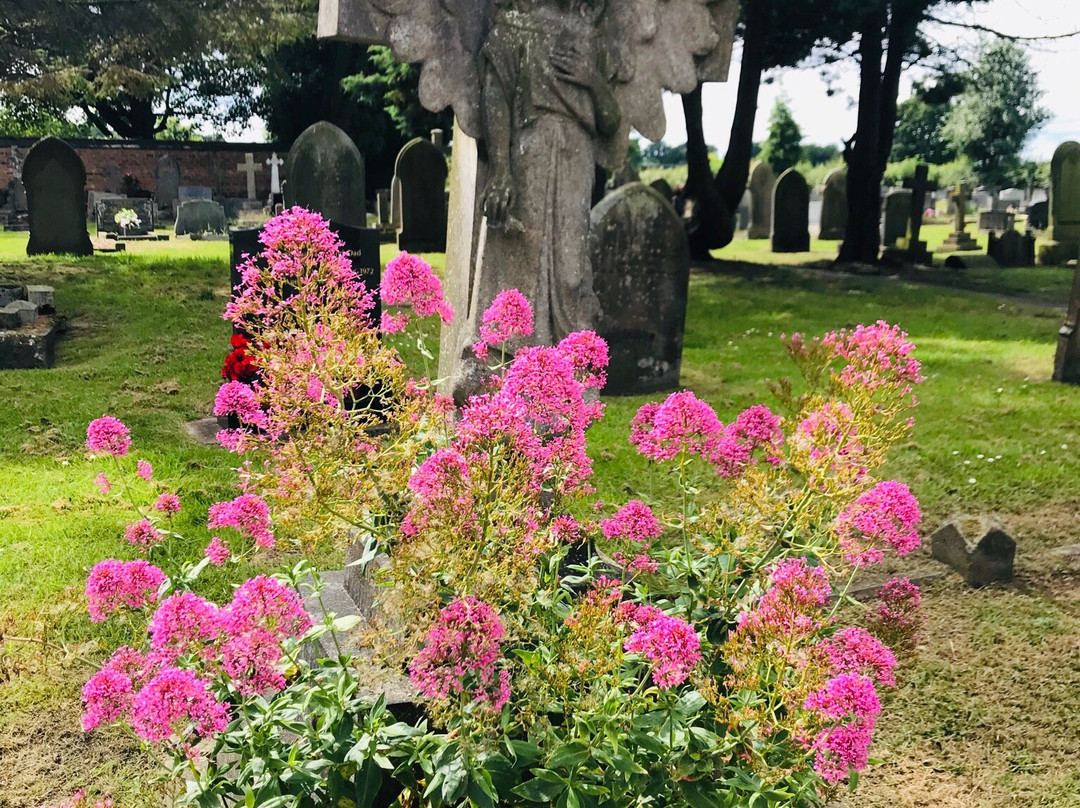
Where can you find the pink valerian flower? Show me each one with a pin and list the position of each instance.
(217, 551)
(265, 604)
(832, 435)
(112, 584)
(636, 563)
(233, 440)
(508, 317)
(897, 618)
(543, 378)
(565, 529)
(634, 522)
(168, 504)
(103, 484)
(107, 696)
(757, 428)
(144, 470)
(848, 705)
(462, 653)
(408, 280)
(886, 514)
(856, 650)
(79, 800)
(241, 400)
(249, 514)
(183, 624)
(789, 609)
(252, 661)
(589, 355)
(439, 475)
(672, 647)
(178, 703)
(143, 534)
(108, 435)
(683, 424)
(876, 355)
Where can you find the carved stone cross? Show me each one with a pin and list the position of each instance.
(250, 167)
(552, 88)
(959, 195)
(275, 164)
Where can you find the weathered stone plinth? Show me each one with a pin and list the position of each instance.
(959, 241)
(982, 561)
(29, 347)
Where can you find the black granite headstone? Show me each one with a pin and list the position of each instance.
(55, 182)
(420, 207)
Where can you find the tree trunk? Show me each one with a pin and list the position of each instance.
(863, 238)
(131, 118)
(716, 200)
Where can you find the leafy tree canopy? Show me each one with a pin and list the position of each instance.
(783, 146)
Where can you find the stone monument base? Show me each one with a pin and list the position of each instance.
(915, 252)
(959, 242)
(30, 347)
(1057, 253)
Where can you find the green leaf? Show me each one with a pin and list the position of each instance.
(690, 703)
(700, 794)
(368, 781)
(569, 756)
(538, 790)
(455, 776)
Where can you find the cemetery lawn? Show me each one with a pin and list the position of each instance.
(987, 715)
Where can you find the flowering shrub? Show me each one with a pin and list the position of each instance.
(697, 650)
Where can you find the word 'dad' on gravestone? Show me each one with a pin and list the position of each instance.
(791, 213)
(420, 179)
(834, 206)
(55, 182)
(762, 182)
(641, 271)
(324, 172)
(1063, 235)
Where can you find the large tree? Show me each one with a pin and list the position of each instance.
(997, 111)
(783, 146)
(131, 65)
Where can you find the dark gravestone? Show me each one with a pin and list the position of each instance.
(834, 206)
(997, 221)
(641, 270)
(663, 187)
(1012, 249)
(200, 216)
(1038, 215)
(55, 181)
(987, 560)
(114, 180)
(1067, 360)
(324, 172)
(762, 182)
(106, 210)
(420, 174)
(897, 215)
(167, 190)
(194, 193)
(791, 213)
(1063, 236)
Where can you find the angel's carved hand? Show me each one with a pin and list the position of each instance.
(574, 66)
(498, 198)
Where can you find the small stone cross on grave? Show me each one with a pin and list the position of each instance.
(959, 240)
(275, 164)
(249, 167)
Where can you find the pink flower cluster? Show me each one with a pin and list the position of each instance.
(897, 618)
(685, 425)
(237, 398)
(508, 317)
(168, 504)
(669, 643)
(790, 608)
(249, 514)
(241, 641)
(80, 800)
(408, 280)
(143, 534)
(461, 653)
(144, 470)
(876, 355)
(108, 435)
(886, 514)
(855, 650)
(634, 523)
(112, 584)
(588, 353)
(217, 551)
(834, 437)
(849, 706)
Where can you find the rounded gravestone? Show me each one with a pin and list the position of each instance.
(1065, 196)
(791, 213)
(762, 182)
(324, 172)
(834, 206)
(167, 186)
(641, 273)
(55, 182)
(420, 179)
(897, 216)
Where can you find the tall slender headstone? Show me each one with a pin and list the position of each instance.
(1063, 236)
(897, 216)
(834, 206)
(762, 183)
(915, 247)
(641, 272)
(324, 172)
(1067, 360)
(167, 189)
(791, 213)
(55, 182)
(420, 176)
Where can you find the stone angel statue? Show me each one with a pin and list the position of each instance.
(542, 91)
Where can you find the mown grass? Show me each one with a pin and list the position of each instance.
(993, 434)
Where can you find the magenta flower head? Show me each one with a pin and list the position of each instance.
(461, 653)
(176, 702)
(217, 551)
(183, 624)
(508, 317)
(143, 534)
(683, 424)
(108, 435)
(144, 470)
(589, 355)
(409, 281)
(112, 584)
(264, 603)
(248, 514)
(886, 514)
(672, 647)
(635, 522)
(168, 504)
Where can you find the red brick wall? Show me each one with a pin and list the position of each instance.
(209, 164)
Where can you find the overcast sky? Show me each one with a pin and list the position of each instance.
(827, 119)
